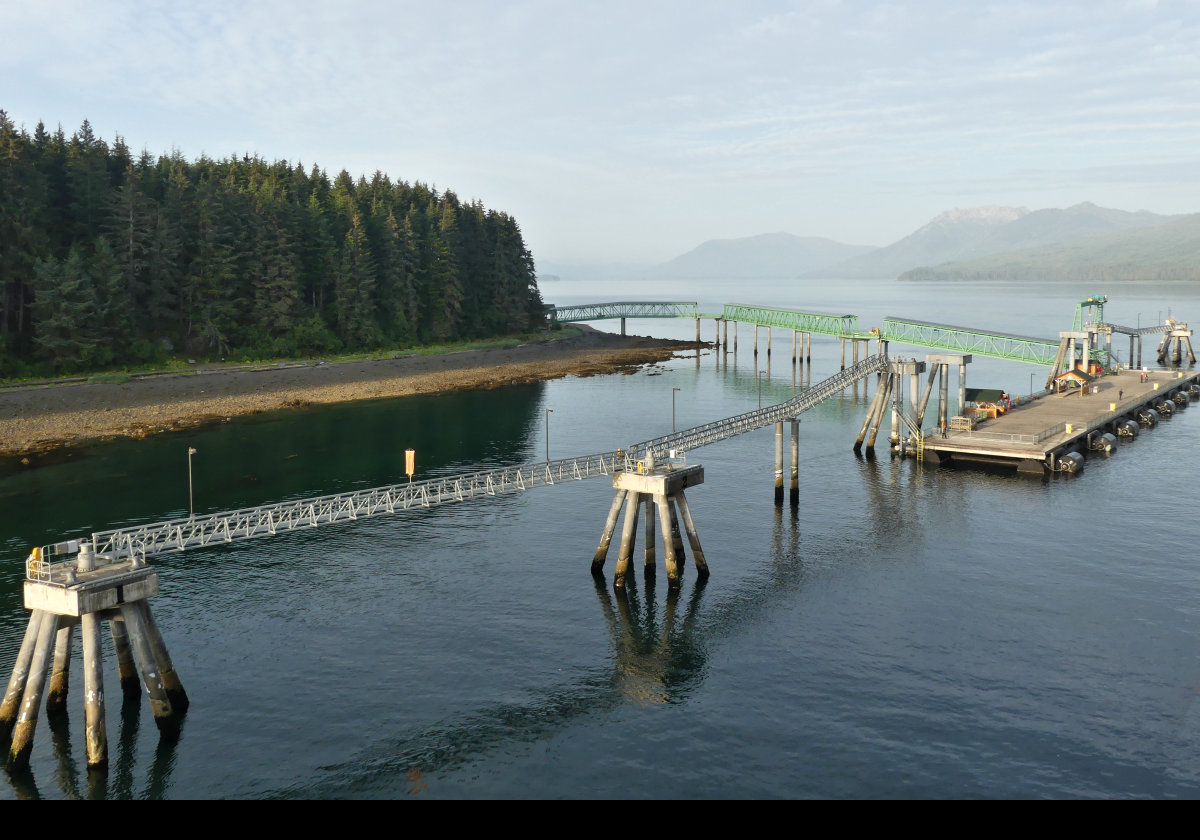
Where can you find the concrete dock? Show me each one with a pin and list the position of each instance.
(1036, 435)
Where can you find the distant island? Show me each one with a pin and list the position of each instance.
(109, 259)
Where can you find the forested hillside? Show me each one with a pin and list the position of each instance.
(107, 259)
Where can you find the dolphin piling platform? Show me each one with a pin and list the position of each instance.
(660, 487)
(82, 593)
(1052, 433)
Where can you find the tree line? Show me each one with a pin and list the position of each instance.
(110, 260)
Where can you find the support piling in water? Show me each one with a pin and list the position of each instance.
(794, 488)
(660, 488)
(61, 596)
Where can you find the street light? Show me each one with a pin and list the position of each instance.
(673, 391)
(759, 378)
(191, 505)
(549, 411)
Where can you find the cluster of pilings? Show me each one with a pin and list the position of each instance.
(889, 395)
(653, 488)
(801, 341)
(1172, 347)
(83, 596)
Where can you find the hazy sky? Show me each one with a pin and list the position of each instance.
(634, 131)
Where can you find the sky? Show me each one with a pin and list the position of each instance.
(630, 132)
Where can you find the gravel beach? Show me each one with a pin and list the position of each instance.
(39, 419)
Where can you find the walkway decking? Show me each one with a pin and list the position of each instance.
(1031, 436)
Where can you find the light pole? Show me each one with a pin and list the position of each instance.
(759, 378)
(673, 392)
(549, 411)
(191, 505)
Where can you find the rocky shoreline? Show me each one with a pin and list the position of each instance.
(39, 419)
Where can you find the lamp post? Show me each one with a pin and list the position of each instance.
(549, 411)
(759, 378)
(673, 392)
(191, 504)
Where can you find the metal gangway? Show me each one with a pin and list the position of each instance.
(622, 310)
(51, 564)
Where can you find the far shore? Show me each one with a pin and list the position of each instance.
(39, 419)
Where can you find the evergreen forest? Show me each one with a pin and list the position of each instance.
(109, 260)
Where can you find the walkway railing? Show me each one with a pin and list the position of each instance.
(622, 309)
(145, 541)
(792, 319)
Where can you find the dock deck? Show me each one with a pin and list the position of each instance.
(1034, 435)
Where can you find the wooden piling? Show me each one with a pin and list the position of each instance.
(95, 727)
(610, 525)
(60, 671)
(31, 700)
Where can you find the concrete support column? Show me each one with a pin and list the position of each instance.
(944, 393)
(672, 562)
(962, 387)
(779, 463)
(697, 330)
(166, 669)
(60, 671)
(794, 335)
(676, 533)
(95, 728)
(756, 340)
(622, 326)
(768, 341)
(808, 352)
(689, 525)
(628, 535)
(160, 703)
(610, 525)
(735, 332)
(126, 668)
(725, 343)
(648, 537)
(794, 489)
(31, 699)
(10, 707)
(843, 341)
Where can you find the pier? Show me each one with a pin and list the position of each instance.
(1036, 436)
(84, 581)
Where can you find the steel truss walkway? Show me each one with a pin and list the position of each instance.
(143, 541)
(792, 319)
(1020, 348)
(622, 309)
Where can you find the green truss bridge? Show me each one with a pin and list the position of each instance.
(622, 310)
(1021, 348)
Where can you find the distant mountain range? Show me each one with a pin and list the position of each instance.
(966, 235)
(1084, 242)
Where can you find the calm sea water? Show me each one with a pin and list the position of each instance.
(908, 632)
